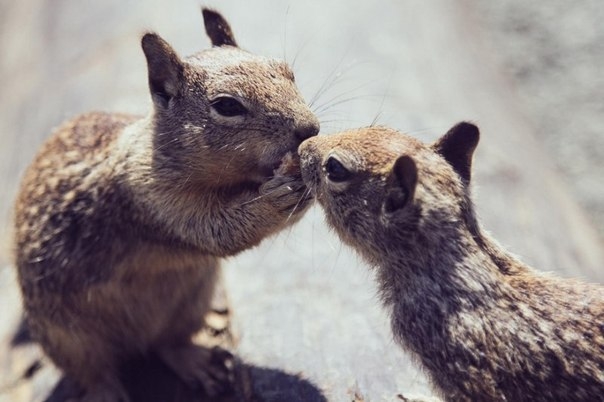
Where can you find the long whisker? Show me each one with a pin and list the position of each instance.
(259, 197)
(379, 112)
(300, 49)
(172, 141)
(375, 119)
(337, 97)
(305, 194)
(342, 101)
(331, 79)
(285, 34)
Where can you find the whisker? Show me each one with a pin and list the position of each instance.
(172, 141)
(327, 122)
(259, 197)
(335, 98)
(299, 51)
(332, 77)
(285, 34)
(379, 113)
(375, 119)
(336, 79)
(254, 199)
(346, 100)
(304, 195)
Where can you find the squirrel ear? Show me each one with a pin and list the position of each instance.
(166, 71)
(457, 147)
(217, 28)
(402, 185)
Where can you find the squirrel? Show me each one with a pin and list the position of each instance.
(484, 325)
(121, 221)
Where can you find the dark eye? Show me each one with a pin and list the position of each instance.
(227, 106)
(336, 172)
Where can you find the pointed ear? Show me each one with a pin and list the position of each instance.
(457, 147)
(402, 183)
(166, 71)
(218, 28)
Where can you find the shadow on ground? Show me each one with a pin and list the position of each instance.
(148, 380)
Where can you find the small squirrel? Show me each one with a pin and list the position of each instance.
(485, 326)
(121, 220)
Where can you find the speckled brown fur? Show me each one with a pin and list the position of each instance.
(121, 220)
(485, 326)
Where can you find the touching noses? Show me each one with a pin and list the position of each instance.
(307, 129)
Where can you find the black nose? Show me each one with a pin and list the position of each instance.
(307, 130)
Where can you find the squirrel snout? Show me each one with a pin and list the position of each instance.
(307, 130)
(309, 164)
(309, 155)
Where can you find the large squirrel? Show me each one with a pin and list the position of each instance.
(485, 326)
(121, 220)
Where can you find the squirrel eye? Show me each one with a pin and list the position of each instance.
(228, 106)
(336, 172)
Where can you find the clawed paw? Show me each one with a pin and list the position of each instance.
(288, 194)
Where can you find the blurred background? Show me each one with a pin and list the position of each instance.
(528, 73)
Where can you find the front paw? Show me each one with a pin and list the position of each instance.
(287, 194)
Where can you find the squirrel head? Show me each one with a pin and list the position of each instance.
(223, 116)
(384, 191)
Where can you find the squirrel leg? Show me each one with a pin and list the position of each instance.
(96, 381)
(90, 364)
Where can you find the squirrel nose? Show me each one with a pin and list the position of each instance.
(307, 130)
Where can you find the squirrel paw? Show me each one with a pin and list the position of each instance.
(209, 369)
(288, 194)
